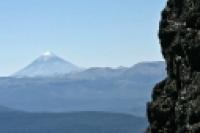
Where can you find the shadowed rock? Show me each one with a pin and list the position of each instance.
(175, 106)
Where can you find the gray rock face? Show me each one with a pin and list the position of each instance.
(175, 106)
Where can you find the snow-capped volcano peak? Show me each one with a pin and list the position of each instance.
(48, 64)
(47, 56)
(48, 53)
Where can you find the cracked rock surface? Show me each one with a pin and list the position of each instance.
(175, 105)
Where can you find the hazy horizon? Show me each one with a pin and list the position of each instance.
(106, 33)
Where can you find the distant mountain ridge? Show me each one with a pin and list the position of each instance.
(123, 90)
(47, 65)
(50, 65)
(140, 71)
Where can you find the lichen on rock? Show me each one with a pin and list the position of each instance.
(175, 105)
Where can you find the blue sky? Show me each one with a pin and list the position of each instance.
(86, 32)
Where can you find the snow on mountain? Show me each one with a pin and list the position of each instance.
(48, 64)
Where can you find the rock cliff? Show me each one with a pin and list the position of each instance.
(175, 106)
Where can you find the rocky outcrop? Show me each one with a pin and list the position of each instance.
(175, 106)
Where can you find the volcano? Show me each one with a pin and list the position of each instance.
(47, 65)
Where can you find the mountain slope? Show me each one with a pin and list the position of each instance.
(47, 65)
(146, 71)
